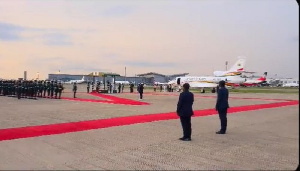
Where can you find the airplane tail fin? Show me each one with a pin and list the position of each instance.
(82, 79)
(263, 77)
(238, 65)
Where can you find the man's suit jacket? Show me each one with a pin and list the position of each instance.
(141, 88)
(222, 100)
(185, 103)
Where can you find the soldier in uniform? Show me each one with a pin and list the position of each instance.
(27, 89)
(22, 89)
(51, 89)
(48, 89)
(74, 89)
(41, 88)
(55, 89)
(19, 90)
(8, 88)
(1, 87)
(13, 87)
(35, 89)
(30, 90)
(44, 88)
(60, 88)
(16, 88)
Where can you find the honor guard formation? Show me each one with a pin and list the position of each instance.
(31, 89)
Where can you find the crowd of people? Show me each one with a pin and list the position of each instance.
(31, 89)
(163, 87)
(110, 87)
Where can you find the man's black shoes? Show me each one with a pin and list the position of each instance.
(220, 132)
(185, 139)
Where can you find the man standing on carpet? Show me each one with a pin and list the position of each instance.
(222, 106)
(185, 111)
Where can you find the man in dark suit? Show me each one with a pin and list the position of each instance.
(185, 111)
(74, 89)
(141, 90)
(222, 106)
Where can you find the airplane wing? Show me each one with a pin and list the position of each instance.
(202, 84)
(248, 72)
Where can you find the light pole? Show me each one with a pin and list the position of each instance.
(226, 63)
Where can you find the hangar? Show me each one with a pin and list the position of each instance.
(147, 78)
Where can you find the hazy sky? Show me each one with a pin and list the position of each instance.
(164, 36)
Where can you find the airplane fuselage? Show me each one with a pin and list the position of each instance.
(209, 81)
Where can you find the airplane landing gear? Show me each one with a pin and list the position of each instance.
(213, 90)
(202, 91)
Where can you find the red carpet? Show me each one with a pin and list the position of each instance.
(42, 130)
(111, 100)
(202, 96)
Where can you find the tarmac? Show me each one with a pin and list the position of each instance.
(36, 134)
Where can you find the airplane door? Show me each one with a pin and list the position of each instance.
(178, 81)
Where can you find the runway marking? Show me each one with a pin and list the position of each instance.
(61, 128)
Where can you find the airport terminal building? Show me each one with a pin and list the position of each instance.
(146, 78)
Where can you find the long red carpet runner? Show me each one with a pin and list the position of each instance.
(42, 130)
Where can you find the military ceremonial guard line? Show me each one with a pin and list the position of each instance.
(31, 89)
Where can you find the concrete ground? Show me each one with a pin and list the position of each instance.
(266, 139)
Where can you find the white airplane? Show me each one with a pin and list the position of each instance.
(165, 83)
(290, 85)
(208, 82)
(172, 82)
(255, 82)
(236, 69)
(159, 83)
(122, 82)
(75, 81)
